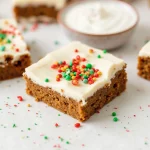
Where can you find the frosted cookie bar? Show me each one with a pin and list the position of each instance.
(76, 79)
(37, 10)
(144, 62)
(14, 53)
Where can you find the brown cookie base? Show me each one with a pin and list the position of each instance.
(11, 70)
(35, 11)
(144, 67)
(71, 106)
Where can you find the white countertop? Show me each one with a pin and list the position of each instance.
(131, 132)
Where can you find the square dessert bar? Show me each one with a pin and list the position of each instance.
(14, 53)
(76, 79)
(144, 62)
(37, 10)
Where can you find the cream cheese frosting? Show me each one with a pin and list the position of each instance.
(11, 41)
(34, 19)
(100, 17)
(107, 64)
(58, 4)
(145, 51)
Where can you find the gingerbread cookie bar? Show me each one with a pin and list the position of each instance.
(14, 53)
(78, 83)
(144, 62)
(37, 10)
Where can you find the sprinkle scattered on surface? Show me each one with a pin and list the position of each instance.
(115, 119)
(77, 125)
(56, 125)
(45, 137)
(14, 126)
(114, 114)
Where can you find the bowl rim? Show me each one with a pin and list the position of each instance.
(62, 22)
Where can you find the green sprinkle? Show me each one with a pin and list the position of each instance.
(89, 66)
(60, 62)
(113, 114)
(56, 43)
(86, 69)
(99, 56)
(81, 75)
(2, 36)
(29, 129)
(61, 139)
(2, 48)
(68, 71)
(68, 77)
(75, 73)
(85, 81)
(67, 142)
(8, 41)
(58, 114)
(64, 74)
(115, 119)
(46, 80)
(146, 143)
(13, 36)
(14, 125)
(85, 77)
(35, 124)
(104, 51)
(91, 71)
(71, 63)
(45, 137)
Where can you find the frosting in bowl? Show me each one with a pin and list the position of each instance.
(100, 17)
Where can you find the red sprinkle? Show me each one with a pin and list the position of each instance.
(78, 57)
(17, 50)
(60, 76)
(83, 66)
(20, 98)
(59, 71)
(54, 66)
(76, 51)
(77, 125)
(83, 59)
(34, 27)
(58, 79)
(56, 124)
(75, 82)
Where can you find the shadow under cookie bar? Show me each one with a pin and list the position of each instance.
(71, 106)
(144, 67)
(9, 69)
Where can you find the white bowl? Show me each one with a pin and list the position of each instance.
(103, 41)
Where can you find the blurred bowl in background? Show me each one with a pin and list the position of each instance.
(103, 41)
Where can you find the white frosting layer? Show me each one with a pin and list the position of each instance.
(58, 4)
(33, 19)
(100, 17)
(145, 51)
(41, 70)
(17, 46)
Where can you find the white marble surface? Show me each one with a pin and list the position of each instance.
(131, 132)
